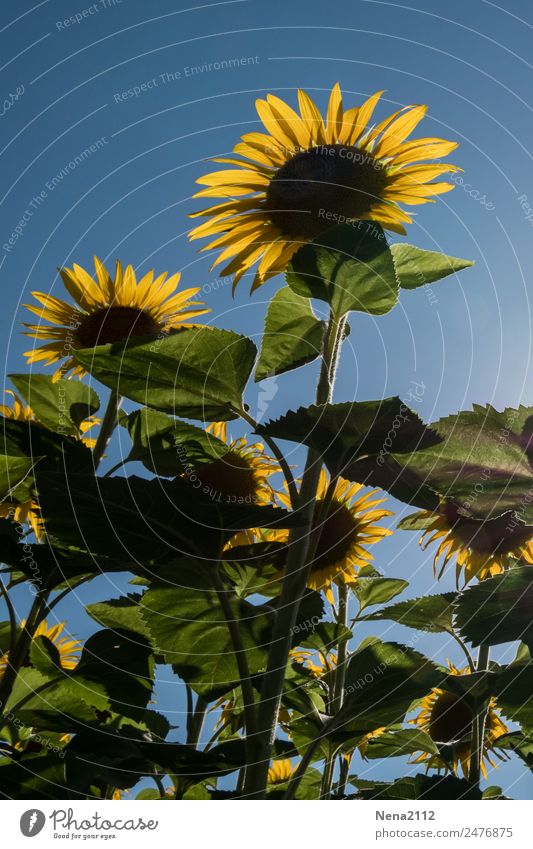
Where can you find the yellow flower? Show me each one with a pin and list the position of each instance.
(107, 310)
(303, 176)
(241, 476)
(28, 511)
(318, 667)
(447, 718)
(281, 771)
(480, 549)
(347, 529)
(68, 649)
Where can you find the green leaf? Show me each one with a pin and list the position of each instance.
(60, 405)
(382, 680)
(140, 522)
(293, 336)
(197, 373)
(350, 267)
(44, 655)
(39, 776)
(403, 741)
(498, 610)
(309, 787)
(515, 693)
(416, 267)
(123, 612)
(14, 470)
(188, 627)
(431, 613)
(434, 787)
(481, 459)
(371, 591)
(170, 447)
(342, 433)
(520, 743)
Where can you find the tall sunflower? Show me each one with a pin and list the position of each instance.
(28, 511)
(68, 648)
(304, 175)
(447, 718)
(480, 549)
(345, 525)
(108, 309)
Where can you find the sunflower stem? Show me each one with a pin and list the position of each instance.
(478, 724)
(18, 657)
(109, 423)
(242, 665)
(327, 778)
(294, 582)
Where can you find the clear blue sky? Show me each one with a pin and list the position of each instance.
(470, 342)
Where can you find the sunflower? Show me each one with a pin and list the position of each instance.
(319, 666)
(68, 649)
(481, 549)
(281, 771)
(303, 176)
(107, 310)
(28, 511)
(344, 532)
(447, 718)
(240, 476)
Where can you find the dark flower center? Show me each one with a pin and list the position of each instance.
(112, 324)
(451, 718)
(336, 536)
(322, 187)
(231, 476)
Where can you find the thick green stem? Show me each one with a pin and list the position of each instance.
(18, 656)
(478, 724)
(327, 778)
(242, 665)
(196, 721)
(109, 423)
(339, 676)
(294, 584)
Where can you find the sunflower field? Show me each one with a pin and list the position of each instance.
(250, 545)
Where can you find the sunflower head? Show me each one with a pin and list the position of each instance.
(345, 525)
(480, 549)
(68, 648)
(280, 771)
(447, 717)
(303, 174)
(242, 474)
(107, 308)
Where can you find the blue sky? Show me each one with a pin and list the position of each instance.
(68, 68)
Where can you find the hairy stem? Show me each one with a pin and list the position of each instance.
(109, 423)
(294, 583)
(478, 724)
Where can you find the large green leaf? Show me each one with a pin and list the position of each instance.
(515, 693)
(482, 460)
(428, 787)
(188, 627)
(498, 610)
(122, 612)
(167, 446)
(60, 405)
(138, 522)
(35, 776)
(197, 373)
(350, 267)
(382, 680)
(433, 613)
(292, 337)
(393, 743)
(377, 590)
(416, 267)
(14, 470)
(342, 433)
